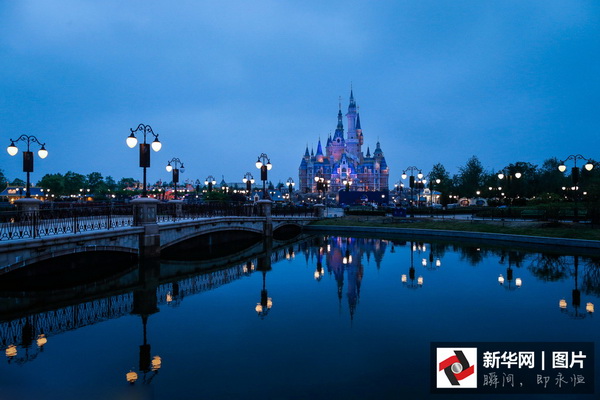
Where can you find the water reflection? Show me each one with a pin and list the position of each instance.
(293, 287)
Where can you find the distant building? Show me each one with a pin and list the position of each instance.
(344, 159)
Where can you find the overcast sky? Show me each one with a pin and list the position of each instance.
(223, 81)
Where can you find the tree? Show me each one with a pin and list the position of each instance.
(471, 177)
(550, 179)
(438, 171)
(95, 182)
(525, 185)
(18, 182)
(3, 180)
(73, 182)
(54, 182)
(125, 183)
(111, 184)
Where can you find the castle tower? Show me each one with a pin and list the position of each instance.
(352, 144)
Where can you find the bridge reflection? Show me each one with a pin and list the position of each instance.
(23, 333)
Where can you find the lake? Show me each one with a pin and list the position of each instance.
(325, 317)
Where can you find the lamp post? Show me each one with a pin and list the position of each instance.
(509, 279)
(249, 181)
(27, 156)
(431, 187)
(347, 182)
(290, 185)
(576, 298)
(413, 284)
(589, 165)
(411, 182)
(321, 184)
(144, 148)
(264, 164)
(209, 182)
(175, 165)
(509, 177)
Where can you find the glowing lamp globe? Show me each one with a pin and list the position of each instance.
(562, 304)
(156, 145)
(169, 168)
(12, 149)
(589, 166)
(131, 141)
(43, 153)
(562, 167)
(131, 377)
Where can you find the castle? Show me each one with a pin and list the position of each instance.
(344, 159)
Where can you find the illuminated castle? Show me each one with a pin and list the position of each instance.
(344, 159)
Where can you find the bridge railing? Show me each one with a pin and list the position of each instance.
(175, 212)
(48, 222)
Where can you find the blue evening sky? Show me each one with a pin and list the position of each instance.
(223, 81)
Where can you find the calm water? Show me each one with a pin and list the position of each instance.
(329, 317)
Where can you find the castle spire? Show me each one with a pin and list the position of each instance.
(352, 102)
(319, 148)
(358, 121)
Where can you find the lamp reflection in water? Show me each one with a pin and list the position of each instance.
(264, 265)
(574, 312)
(145, 303)
(410, 281)
(507, 282)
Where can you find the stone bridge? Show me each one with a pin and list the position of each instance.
(146, 239)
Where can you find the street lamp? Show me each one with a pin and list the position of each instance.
(509, 280)
(576, 298)
(27, 156)
(264, 164)
(347, 182)
(144, 148)
(290, 185)
(431, 187)
(575, 175)
(176, 168)
(248, 180)
(413, 283)
(509, 177)
(209, 182)
(412, 185)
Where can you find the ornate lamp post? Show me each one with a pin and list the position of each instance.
(290, 185)
(509, 177)
(249, 181)
(27, 156)
(264, 164)
(431, 187)
(176, 168)
(347, 182)
(144, 148)
(410, 281)
(509, 280)
(576, 298)
(411, 182)
(320, 179)
(575, 175)
(209, 182)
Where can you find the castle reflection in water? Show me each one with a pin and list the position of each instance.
(348, 261)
